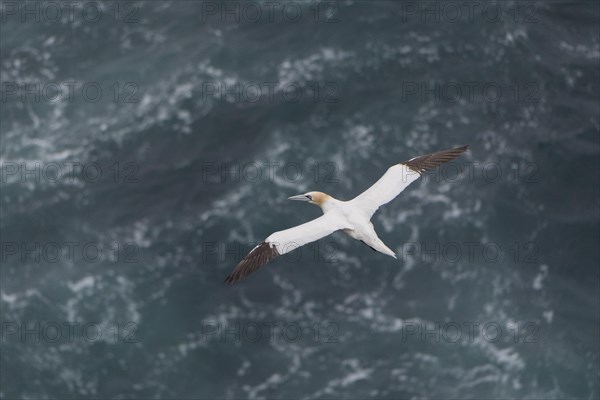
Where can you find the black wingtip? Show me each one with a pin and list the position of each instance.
(431, 161)
(260, 255)
(231, 279)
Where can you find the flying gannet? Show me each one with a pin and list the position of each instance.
(352, 216)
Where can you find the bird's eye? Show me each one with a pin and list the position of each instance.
(308, 196)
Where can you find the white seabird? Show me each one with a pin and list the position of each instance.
(352, 216)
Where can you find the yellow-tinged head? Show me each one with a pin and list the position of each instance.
(318, 198)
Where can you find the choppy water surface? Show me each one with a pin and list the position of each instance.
(123, 213)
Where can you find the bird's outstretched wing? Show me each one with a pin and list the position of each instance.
(283, 242)
(398, 177)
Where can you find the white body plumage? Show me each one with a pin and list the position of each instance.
(353, 216)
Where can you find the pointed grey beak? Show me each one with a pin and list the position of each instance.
(300, 197)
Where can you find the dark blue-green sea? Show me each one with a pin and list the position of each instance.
(147, 146)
